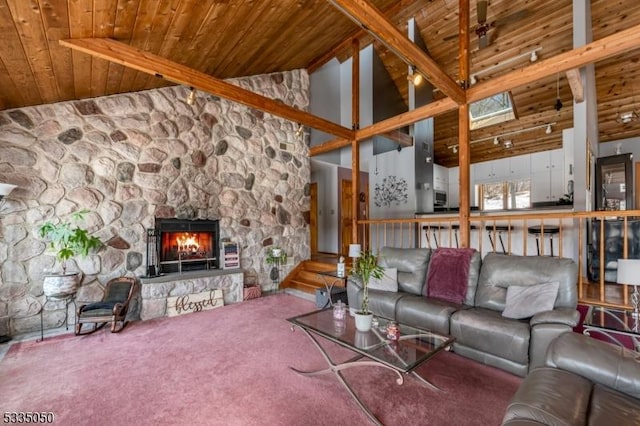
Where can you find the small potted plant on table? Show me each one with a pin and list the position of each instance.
(366, 267)
(275, 257)
(66, 241)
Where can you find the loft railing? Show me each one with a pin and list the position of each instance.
(595, 240)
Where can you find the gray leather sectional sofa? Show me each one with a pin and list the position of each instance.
(583, 382)
(482, 333)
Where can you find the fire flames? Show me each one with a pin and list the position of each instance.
(188, 243)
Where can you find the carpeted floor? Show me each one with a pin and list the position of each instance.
(229, 366)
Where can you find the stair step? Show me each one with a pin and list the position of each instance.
(314, 265)
(304, 286)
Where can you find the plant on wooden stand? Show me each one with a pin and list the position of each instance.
(66, 241)
(366, 267)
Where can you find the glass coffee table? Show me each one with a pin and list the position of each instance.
(402, 356)
(616, 325)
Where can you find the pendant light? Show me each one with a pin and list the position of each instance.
(558, 104)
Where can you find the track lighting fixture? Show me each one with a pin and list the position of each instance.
(191, 98)
(509, 143)
(300, 131)
(626, 117)
(533, 57)
(415, 77)
(473, 80)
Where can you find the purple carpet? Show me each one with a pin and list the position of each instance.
(230, 366)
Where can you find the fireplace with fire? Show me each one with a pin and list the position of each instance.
(178, 245)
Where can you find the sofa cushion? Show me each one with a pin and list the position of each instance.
(524, 301)
(388, 281)
(499, 271)
(551, 397)
(609, 407)
(430, 314)
(412, 266)
(383, 303)
(490, 332)
(448, 275)
(600, 362)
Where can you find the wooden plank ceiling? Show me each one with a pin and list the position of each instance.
(233, 38)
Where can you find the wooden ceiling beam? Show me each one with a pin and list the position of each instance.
(370, 18)
(575, 83)
(395, 135)
(329, 146)
(430, 110)
(399, 11)
(137, 59)
(604, 48)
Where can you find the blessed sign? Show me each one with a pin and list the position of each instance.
(196, 302)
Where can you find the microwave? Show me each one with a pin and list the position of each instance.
(440, 198)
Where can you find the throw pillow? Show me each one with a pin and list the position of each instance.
(448, 277)
(388, 282)
(524, 301)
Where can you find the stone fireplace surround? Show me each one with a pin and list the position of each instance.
(130, 158)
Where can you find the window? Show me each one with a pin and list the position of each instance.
(505, 195)
(492, 110)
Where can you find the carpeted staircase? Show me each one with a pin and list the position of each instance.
(305, 278)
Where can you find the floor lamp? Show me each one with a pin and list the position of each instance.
(5, 189)
(629, 273)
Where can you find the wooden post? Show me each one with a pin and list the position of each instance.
(355, 150)
(464, 147)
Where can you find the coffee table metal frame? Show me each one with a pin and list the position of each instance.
(330, 279)
(612, 323)
(374, 346)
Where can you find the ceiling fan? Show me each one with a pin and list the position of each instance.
(483, 27)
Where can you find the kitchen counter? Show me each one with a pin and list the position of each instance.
(539, 209)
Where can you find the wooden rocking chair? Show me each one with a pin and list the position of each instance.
(111, 309)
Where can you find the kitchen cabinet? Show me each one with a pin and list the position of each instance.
(487, 171)
(454, 188)
(547, 176)
(519, 166)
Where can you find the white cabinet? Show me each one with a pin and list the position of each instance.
(491, 170)
(519, 166)
(440, 178)
(547, 176)
(454, 189)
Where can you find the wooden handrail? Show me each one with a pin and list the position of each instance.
(437, 231)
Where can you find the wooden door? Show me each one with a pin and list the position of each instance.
(313, 218)
(346, 217)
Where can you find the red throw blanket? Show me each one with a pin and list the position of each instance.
(448, 275)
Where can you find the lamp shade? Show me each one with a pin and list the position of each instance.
(628, 271)
(354, 250)
(6, 188)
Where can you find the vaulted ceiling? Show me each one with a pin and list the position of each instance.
(233, 38)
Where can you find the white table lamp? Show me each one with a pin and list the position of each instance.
(629, 273)
(354, 251)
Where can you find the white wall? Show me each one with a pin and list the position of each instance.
(326, 176)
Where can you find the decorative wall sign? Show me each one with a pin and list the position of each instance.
(392, 190)
(195, 302)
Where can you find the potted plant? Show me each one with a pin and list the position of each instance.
(275, 257)
(67, 241)
(366, 267)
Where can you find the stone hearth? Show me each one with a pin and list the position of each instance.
(156, 291)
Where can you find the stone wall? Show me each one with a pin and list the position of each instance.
(129, 158)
